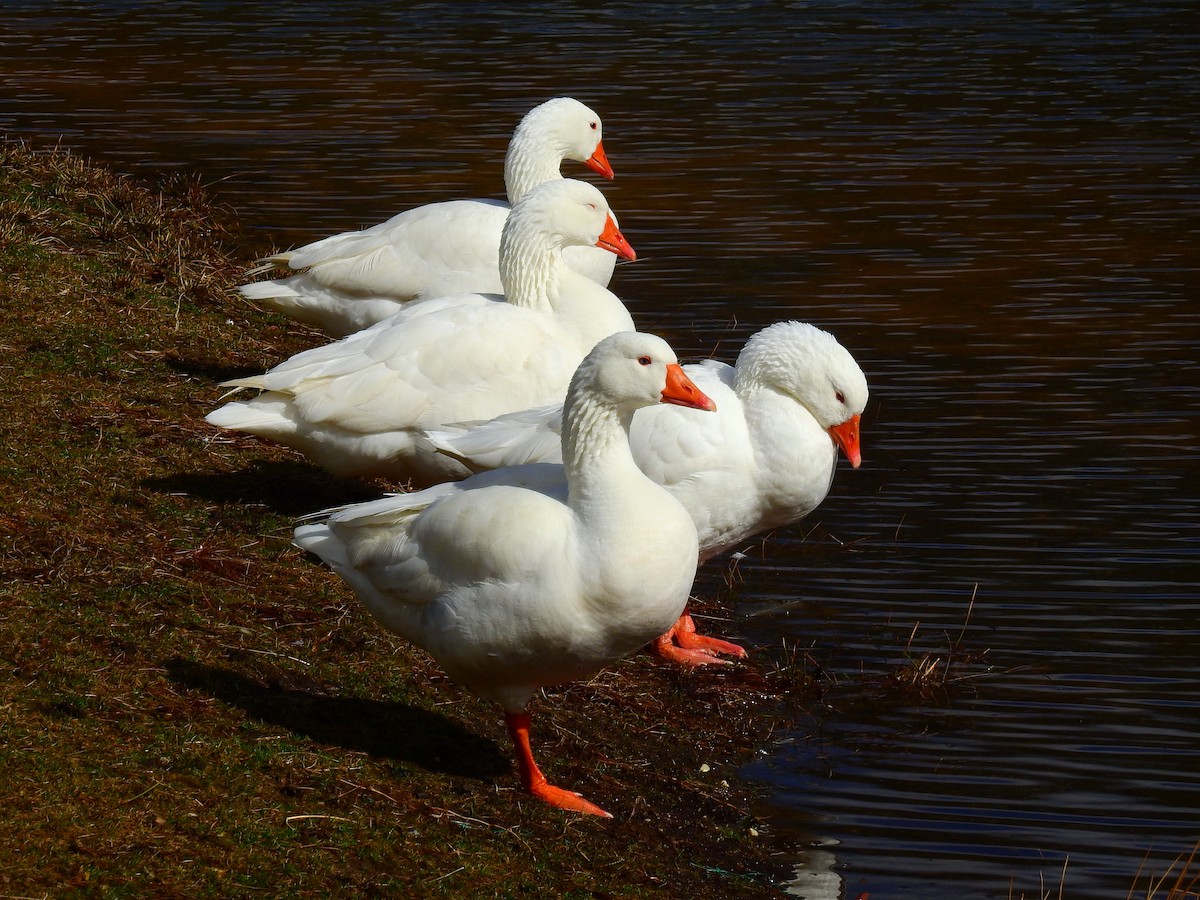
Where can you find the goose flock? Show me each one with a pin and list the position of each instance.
(573, 474)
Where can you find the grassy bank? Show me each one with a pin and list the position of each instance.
(190, 707)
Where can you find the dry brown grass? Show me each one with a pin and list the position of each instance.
(928, 674)
(1180, 881)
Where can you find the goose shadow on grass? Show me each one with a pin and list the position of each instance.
(378, 728)
(210, 370)
(287, 487)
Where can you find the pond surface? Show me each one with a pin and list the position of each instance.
(995, 206)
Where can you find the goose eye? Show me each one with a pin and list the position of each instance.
(841, 398)
(592, 126)
(644, 360)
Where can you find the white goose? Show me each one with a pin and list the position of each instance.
(765, 460)
(354, 279)
(512, 589)
(357, 406)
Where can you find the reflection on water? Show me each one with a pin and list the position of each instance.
(994, 205)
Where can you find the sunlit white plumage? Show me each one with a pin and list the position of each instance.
(358, 406)
(765, 460)
(513, 588)
(348, 281)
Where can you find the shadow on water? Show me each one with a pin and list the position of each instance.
(378, 728)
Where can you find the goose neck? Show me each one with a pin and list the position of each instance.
(528, 163)
(529, 268)
(595, 444)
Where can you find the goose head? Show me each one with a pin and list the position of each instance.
(809, 366)
(632, 369)
(563, 213)
(562, 128)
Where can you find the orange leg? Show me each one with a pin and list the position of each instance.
(532, 779)
(682, 645)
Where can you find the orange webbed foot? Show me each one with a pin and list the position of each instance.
(684, 646)
(532, 779)
(564, 799)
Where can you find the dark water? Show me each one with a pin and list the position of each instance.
(995, 206)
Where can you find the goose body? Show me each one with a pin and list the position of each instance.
(359, 406)
(349, 281)
(765, 460)
(514, 582)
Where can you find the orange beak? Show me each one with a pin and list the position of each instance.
(614, 242)
(846, 437)
(682, 392)
(598, 162)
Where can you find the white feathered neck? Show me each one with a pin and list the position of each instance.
(531, 259)
(595, 443)
(556, 215)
